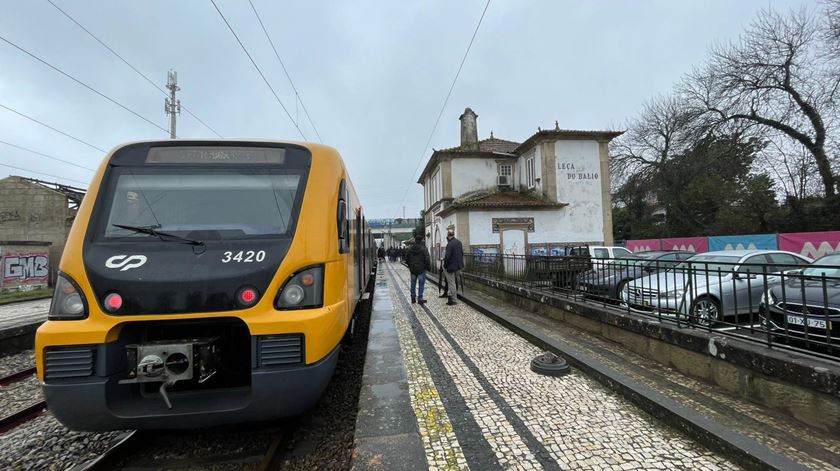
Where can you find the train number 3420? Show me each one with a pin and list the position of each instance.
(244, 256)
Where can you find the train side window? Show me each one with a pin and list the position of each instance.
(341, 220)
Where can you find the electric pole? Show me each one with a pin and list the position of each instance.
(172, 106)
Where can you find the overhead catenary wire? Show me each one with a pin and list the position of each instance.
(42, 173)
(254, 63)
(141, 74)
(44, 155)
(285, 71)
(443, 107)
(83, 84)
(52, 128)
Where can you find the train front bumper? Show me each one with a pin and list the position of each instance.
(101, 403)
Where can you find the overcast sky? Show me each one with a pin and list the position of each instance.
(373, 74)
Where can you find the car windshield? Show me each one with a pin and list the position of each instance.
(709, 262)
(621, 252)
(828, 266)
(222, 204)
(632, 262)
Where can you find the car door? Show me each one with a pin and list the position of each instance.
(748, 284)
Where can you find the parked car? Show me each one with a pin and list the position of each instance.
(811, 298)
(711, 286)
(610, 282)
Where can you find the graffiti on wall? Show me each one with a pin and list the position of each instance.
(22, 269)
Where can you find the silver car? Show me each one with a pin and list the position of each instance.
(709, 286)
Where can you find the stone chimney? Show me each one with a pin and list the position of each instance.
(469, 130)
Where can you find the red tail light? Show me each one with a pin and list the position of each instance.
(113, 302)
(247, 296)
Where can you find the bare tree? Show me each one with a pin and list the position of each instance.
(831, 28)
(774, 77)
(791, 166)
(662, 129)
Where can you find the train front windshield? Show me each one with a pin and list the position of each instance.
(206, 204)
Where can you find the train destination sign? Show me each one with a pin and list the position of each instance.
(216, 155)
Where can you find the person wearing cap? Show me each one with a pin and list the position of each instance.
(418, 261)
(453, 262)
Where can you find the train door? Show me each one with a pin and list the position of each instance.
(363, 236)
(359, 244)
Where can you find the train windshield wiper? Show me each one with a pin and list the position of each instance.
(164, 236)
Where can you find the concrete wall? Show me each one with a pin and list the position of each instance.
(31, 212)
(578, 180)
(475, 174)
(24, 267)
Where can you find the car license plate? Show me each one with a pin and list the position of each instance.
(816, 323)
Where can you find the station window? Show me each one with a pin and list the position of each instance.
(529, 172)
(505, 169)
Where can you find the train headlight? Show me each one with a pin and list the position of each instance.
(68, 301)
(293, 295)
(303, 290)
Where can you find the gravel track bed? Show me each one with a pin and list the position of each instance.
(19, 361)
(44, 443)
(19, 394)
(325, 438)
(225, 448)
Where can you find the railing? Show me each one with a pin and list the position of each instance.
(788, 305)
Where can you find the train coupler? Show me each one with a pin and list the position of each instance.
(170, 361)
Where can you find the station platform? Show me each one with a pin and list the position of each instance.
(18, 323)
(449, 387)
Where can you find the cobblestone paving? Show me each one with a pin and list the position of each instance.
(809, 447)
(529, 421)
(441, 444)
(759, 423)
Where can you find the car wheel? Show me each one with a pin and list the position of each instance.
(706, 311)
(620, 290)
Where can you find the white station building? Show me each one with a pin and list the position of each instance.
(534, 197)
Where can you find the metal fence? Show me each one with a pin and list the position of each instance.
(782, 304)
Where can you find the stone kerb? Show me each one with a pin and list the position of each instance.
(805, 388)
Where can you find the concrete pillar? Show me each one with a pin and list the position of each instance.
(606, 197)
(469, 130)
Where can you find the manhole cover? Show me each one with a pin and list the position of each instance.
(549, 364)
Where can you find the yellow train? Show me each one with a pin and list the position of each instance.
(203, 283)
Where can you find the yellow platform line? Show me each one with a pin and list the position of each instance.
(443, 451)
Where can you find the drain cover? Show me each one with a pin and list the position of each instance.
(549, 364)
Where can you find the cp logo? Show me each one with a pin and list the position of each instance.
(125, 262)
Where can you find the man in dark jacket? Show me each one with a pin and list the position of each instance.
(453, 262)
(418, 261)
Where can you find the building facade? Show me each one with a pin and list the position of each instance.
(34, 214)
(534, 197)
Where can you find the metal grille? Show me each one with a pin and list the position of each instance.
(72, 362)
(280, 350)
(816, 311)
(648, 292)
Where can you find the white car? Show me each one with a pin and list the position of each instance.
(601, 255)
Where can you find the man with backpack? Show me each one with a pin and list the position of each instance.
(418, 261)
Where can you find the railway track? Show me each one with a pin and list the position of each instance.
(23, 414)
(131, 451)
(17, 376)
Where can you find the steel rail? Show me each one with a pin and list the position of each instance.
(17, 376)
(21, 416)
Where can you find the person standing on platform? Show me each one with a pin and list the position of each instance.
(453, 262)
(418, 261)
